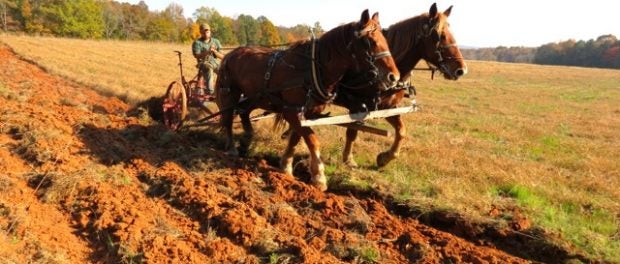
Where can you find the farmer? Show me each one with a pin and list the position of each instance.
(206, 50)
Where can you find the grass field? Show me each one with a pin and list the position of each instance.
(544, 139)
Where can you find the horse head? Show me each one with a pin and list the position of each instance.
(369, 51)
(377, 52)
(439, 46)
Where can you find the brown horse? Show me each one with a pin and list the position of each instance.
(427, 37)
(300, 81)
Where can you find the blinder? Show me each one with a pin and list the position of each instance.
(372, 73)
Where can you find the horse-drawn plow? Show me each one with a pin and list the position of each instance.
(300, 82)
(183, 95)
(180, 97)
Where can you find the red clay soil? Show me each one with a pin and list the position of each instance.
(83, 182)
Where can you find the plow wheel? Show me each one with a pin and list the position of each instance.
(175, 106)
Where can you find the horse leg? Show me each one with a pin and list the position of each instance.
(227, 121)
(347, 153)
(317, 168)
(399, 130)
(286, 162)
(227, 100)
(248, 132)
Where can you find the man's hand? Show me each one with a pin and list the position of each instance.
(216, 53)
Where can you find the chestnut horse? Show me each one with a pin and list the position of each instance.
(427, 37)
(300, 81)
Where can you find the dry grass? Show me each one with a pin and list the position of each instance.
(543, 138)
(126, 69)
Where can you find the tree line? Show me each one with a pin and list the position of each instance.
(107, 19)
(602, 52)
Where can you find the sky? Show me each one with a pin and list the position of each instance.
(474, 23)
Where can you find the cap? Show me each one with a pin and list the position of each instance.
(204, 26)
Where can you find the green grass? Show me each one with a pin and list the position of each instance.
(590, 228)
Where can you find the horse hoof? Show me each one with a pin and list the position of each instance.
(321, 186)
(384, 158)
(320, 183)
(232, 152)
(351, 163)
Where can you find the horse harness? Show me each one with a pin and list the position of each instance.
(315, 90)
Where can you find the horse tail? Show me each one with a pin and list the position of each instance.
(279, 122)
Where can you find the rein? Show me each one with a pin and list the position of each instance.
(323, 94)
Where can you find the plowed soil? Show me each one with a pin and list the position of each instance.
(83, 181)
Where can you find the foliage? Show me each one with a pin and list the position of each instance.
(95, 19)
(6, 7)
(247, 30)
(221, 26)
(269, 34)
(79, 19)
(604, 52)
(501, 53)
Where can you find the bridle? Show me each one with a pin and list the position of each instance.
(372, 73)
(439, 50)
(442, 61)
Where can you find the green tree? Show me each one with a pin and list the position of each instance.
(78, 18)
(226, 34)
(160, 27)
(174, 12)
(222, 26)
(247, 30)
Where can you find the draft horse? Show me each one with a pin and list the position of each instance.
(427, 37)
(299, 82)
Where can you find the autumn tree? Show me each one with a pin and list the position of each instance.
(602, 52)
(134, 21)
(160, 27)
(7, 7)
(112, 18)
(269, 34)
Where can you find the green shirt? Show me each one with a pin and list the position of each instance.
(201, 45)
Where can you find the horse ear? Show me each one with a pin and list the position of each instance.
(375, 17)
(432, 13)
(365, 18)
(447, 12)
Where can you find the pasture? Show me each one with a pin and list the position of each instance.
(506, 139)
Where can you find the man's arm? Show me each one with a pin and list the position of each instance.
(216, 49)
(218, 54)
(196, 51)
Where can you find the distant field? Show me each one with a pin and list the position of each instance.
(543, 139)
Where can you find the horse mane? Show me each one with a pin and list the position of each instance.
(331, 42)
(403, 36)
(334, 40)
